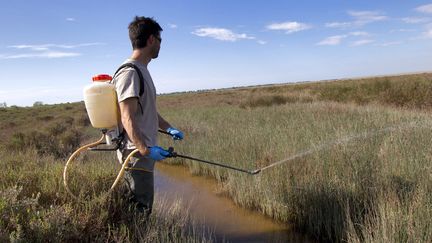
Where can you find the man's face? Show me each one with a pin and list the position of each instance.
(156, 45)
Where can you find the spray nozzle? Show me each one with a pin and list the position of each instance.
(254, 172)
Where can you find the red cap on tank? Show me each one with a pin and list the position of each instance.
(102, 78)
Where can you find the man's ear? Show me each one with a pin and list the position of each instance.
(150, 40)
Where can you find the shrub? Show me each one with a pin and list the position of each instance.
(57, 129)
(58, 141)
(45, 118)
(268, 101)
(68, 142)
(18, 141)
(14, 212)
(38, 103)
(83, 121)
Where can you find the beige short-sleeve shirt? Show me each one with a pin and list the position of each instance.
(127, 86)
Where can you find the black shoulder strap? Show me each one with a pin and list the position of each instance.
(128, 64)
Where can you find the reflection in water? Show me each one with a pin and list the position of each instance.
(229, 222)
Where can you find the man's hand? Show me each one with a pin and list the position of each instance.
(175, 133)
(157, 153)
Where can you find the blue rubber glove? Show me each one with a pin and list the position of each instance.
(175, 133)
(157, 153)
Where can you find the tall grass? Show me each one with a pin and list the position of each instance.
(362, 165)
(411, 91)
(34, 206)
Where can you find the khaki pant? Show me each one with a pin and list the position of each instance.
(140, 183)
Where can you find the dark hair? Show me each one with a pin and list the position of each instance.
(140, 29)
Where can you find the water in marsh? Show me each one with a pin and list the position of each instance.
(229, 222)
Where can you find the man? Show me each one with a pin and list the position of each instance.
(139, 117)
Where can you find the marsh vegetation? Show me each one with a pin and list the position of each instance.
(360, 167)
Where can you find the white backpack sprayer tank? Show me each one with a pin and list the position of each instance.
(100, 100)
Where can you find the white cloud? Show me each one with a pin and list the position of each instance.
(71, 19)
(289, 27)
(332, 40)
(428, 32)
(340, 25)
(362, 42)
(425, 8)
(365, 17)
(360, 18)
(402, 30)
(415, 20)
(48, 54)
(44, 51)
(172, 26)
(359, 33)
(337, 39)
(45, 47)
(220, 34)
(261, 42)
(392, 43)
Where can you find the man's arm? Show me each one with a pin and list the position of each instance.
(128, 109)
(163, 124)
(174, 132)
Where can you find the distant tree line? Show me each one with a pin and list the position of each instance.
(38, 103)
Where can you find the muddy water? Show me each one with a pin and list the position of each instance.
(220, 214)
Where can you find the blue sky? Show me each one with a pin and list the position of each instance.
(49, 50)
